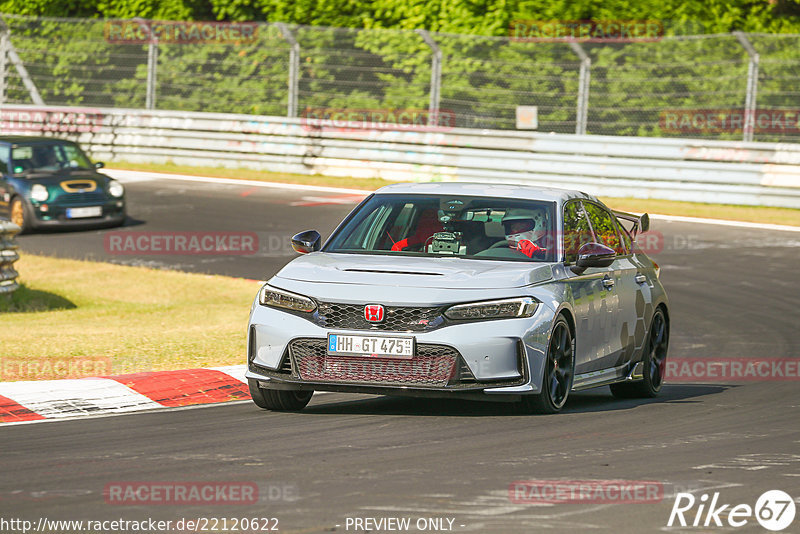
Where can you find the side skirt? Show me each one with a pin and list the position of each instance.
(604, 377)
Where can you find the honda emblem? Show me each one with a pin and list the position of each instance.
(373, 313)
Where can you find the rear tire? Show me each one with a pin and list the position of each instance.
(654, 359)
(278, 400)
(559, 373)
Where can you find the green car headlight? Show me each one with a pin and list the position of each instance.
(493, 309)
(278, 298)
(39, 193)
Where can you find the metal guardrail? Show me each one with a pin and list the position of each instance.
(765, 174)
(8, 255)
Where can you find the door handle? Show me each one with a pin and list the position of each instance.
(608, 283)
(640, 278)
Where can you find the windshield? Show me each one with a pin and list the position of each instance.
(48, 157)
(461, 226)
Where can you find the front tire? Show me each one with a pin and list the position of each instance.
(20, 215)
(278, 400)
(559, 372)
(654, 359)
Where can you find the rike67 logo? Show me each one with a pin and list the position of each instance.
(774, 510)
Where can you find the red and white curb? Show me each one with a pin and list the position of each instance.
(60, 399)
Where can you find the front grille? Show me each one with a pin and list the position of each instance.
(396, 318)
(95, 197)
(433, 365)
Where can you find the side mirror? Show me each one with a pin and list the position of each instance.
(593, 255)
(308, 241)
(99, 165)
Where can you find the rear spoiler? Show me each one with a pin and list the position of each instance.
(641, 223)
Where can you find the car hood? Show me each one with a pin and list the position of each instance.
(416, 272)
(56, 177)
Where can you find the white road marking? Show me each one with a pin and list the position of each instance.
(754, 462)
(235, 371)
(55, 399)
(724, 222)
(320, 201)
(140, 176)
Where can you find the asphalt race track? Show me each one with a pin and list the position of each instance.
(733, 293)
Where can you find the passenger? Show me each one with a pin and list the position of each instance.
(427, 225)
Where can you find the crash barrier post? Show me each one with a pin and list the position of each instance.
(8, 255)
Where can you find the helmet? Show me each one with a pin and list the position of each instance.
(533, 231)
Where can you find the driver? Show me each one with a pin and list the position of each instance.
(43, 157)
(523, 228)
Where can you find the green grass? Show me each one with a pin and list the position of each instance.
(141, 319)
(783, 216)
(759, 214)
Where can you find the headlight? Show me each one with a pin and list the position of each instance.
(278, 298)
(493, 309)
(39, 193)
(115, 189)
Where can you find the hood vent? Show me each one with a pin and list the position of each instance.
(78, 186)
(391, 272)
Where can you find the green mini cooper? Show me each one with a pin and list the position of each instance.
(47, 182)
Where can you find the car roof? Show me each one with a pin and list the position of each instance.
(526, 192)
(29, 139)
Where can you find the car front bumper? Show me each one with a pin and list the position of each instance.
(55, 215)
(502, 358)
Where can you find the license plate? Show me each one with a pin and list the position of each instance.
(91, 211)
(371, 346)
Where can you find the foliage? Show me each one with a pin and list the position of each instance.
(387, 65)
(486, 17)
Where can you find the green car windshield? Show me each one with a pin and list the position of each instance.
(47, 157)
(440, 226)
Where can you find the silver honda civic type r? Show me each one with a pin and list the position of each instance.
(493, 292)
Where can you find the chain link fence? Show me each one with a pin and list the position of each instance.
(726, 86)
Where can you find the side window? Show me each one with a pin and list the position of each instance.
(401, 226)
(626, 238)
(4, 159)
(364, 237)
(604, 227)
(576, 230)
